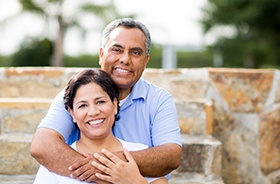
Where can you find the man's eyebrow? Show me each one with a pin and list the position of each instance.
(137, 49)
(117, 45)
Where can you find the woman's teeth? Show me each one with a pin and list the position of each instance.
(96, 122)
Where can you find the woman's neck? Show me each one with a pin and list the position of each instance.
(86, 145)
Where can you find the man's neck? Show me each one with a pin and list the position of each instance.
(124, 93)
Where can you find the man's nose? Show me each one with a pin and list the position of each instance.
(125, 58)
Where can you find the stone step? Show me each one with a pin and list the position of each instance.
(14, 154)
(22, 115)
(201, 161)
(201, 155)
(16, 179)
(44, 82)
(193, 178)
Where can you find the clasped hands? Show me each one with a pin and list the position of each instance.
(107, 167)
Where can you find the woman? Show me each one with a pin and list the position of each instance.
(92, 99)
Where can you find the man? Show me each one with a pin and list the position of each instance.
(147, 113)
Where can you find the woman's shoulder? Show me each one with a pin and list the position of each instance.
(132, 146)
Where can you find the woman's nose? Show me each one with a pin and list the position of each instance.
(93, 110)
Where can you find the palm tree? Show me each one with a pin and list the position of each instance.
(58, 12)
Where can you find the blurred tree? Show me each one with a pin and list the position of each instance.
(255, 25)
(57, 11)
(33, 52)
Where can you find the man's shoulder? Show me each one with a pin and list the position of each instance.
(151, 88)
(143, 82)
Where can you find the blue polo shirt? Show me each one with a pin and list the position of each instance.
(148, 116)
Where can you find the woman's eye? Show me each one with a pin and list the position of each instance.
(82, 106)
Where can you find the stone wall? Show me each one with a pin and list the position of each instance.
(238, 107)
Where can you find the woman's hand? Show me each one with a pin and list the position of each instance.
(116, 170)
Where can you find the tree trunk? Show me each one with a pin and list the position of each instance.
(57, 59)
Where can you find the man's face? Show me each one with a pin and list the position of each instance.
(124, 56)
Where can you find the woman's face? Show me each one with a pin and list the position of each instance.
(93, 111)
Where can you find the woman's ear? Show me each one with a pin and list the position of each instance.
(115, 103)
(72, 114)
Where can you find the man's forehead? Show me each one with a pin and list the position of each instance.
(120, 36)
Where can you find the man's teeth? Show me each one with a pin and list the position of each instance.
(96, 122)
(121, 70)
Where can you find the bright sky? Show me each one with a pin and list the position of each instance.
(169, 21)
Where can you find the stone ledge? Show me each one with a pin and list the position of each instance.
(201, 154)
(14, 155)
(25, 103)
(22, 115)
(195, 116)
(193, 178)
(16, 137)
(17, 179)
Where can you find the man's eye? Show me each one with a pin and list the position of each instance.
(136, 53)
(116, 49)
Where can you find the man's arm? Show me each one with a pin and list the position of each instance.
(50, 150)
(159, 160)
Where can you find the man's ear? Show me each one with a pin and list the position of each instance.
(101, 52)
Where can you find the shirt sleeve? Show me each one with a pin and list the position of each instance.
(165, 126)
(58, 118)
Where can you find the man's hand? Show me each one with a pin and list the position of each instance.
(84, 171)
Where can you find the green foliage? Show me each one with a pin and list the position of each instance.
(155, 57)
(5, 61)
(30, 6)
(33, 52)
(194, 59)
(256, 24)
(82, 61)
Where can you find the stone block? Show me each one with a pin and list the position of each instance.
(22, 115)
(183, 84)
(27, 82)
(14, 155)
(270, 141)
(195, 117)
(200, 154)
(244, 91)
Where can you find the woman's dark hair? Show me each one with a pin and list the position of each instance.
(87, 76)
